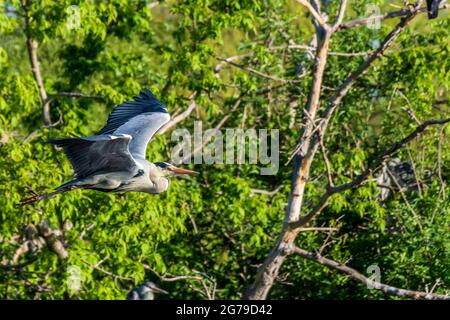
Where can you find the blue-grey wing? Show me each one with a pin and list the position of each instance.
(100, 153)
(140, 119)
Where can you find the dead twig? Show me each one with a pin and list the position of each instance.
(180, 117)
(383, 16)
(358, 180)
(352, 273)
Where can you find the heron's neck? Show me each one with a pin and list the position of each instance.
(148, 294)
(160, 182)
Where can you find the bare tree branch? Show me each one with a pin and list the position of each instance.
(109, 273)
(179, 278)
(340, 15)
(360, 179)
(267, 193)
(402, 193)
(206, 140)
(32, 48)
(256, 72)
(340, 94)
(50, 97)
(326, 161)
(177, 119)
(38, 237)
(318, 18)
(209, 291)
(223, 61)
(348, 82)
(18, 266)
(74, 95)
(53, 241)
(352, 273)
(319, 229)
(344, 88)
(383, 16)
(268, 272)
(309, 142)
(154, 4)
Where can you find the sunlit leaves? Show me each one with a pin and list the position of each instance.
(215, 223)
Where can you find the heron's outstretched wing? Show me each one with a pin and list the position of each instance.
(98, 153)
(140, 119)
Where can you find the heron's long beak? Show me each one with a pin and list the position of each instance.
(177, 170)
(159, 290)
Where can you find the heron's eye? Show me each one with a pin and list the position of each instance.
(163, 165)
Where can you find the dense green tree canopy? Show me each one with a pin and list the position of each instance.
(217, 228)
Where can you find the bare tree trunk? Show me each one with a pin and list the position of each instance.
(310, 141)
(32, 47)
(302, 163)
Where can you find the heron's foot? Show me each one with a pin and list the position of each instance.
(34, 198)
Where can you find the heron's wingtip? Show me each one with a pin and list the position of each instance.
(147, 93)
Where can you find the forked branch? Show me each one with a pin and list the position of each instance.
(352, 273)
(374, 166)
(383, 16)
(310, 142)
(317, 17)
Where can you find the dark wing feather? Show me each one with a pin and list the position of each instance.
(140, 119)
(144, 103)
(94, 154)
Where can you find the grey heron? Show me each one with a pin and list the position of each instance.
(433, 8)
(145, 292)
(114, 159)
(395, 174)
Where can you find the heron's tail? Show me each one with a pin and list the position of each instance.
(68, 186)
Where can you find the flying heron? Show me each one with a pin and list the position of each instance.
(114, 159)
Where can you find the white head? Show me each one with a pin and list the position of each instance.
(159, 175)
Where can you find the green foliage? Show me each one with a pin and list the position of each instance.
(215, 225)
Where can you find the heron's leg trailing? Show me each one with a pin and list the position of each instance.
(103, 182)
(38, 197)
